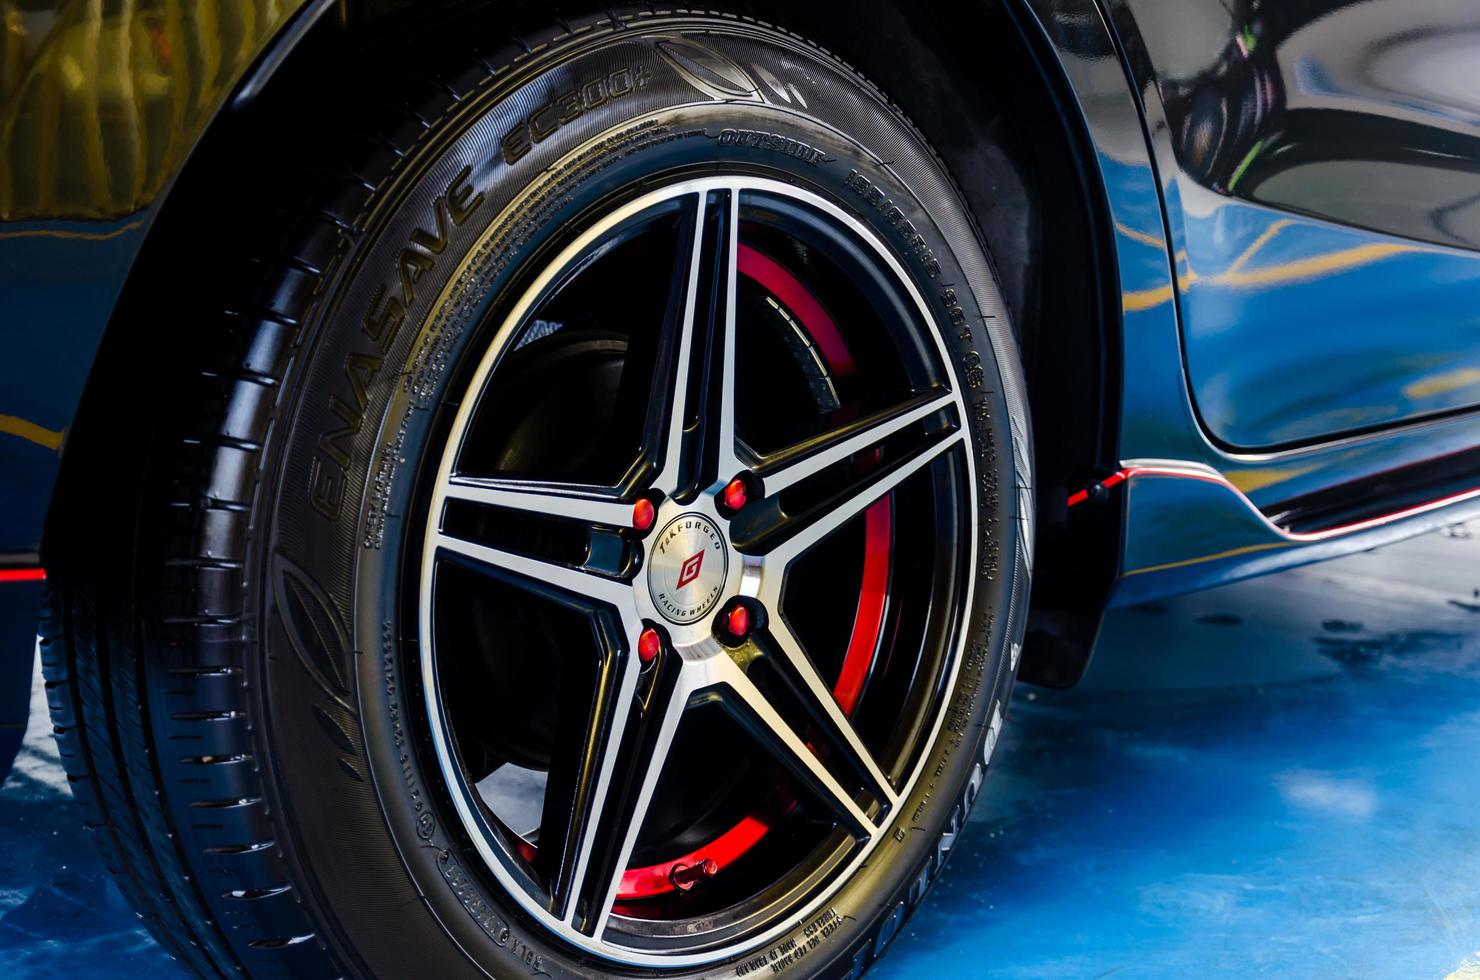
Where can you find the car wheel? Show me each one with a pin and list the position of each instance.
(597, 543)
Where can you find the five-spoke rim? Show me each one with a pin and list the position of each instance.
(660, 661)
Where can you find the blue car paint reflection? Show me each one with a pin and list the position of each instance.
(1296, 329)
(1180, 246)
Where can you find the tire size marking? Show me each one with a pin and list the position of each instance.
(971, 361)
(914, 242)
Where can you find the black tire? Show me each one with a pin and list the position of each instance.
(229, 681)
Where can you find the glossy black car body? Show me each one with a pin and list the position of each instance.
(1243, 264)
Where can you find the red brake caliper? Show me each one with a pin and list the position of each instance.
(868, 620)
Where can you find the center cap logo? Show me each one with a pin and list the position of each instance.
(687, 570)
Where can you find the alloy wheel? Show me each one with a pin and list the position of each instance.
(686, 635)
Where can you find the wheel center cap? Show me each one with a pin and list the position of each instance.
(687, 568)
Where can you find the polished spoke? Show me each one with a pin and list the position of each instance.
(594, 717)
(841, 511)
(769, 726)
(539, 498)
(538, 574)
(725, 441)
(863, 434)
(828, 713)
(677, 388)
(699, 385)
(645, 748)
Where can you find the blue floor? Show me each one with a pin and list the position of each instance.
(1281, 777)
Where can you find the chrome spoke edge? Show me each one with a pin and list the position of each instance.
(601, 792)
(536, 498)
(667, 477)
(787, 475)
(672, 713)
(775, 561)
(567, 579)
(726, 673)
(801, 664)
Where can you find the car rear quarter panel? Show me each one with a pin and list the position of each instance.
(1208, 521)
(1320, 161)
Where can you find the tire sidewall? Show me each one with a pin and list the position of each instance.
(372, 829)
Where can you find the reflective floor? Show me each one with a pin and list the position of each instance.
(1279, 777)
(60, 915)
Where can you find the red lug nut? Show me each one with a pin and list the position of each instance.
(649, 644)
(737, 621)
(735, 494)
(686, 876)
(643, 514)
